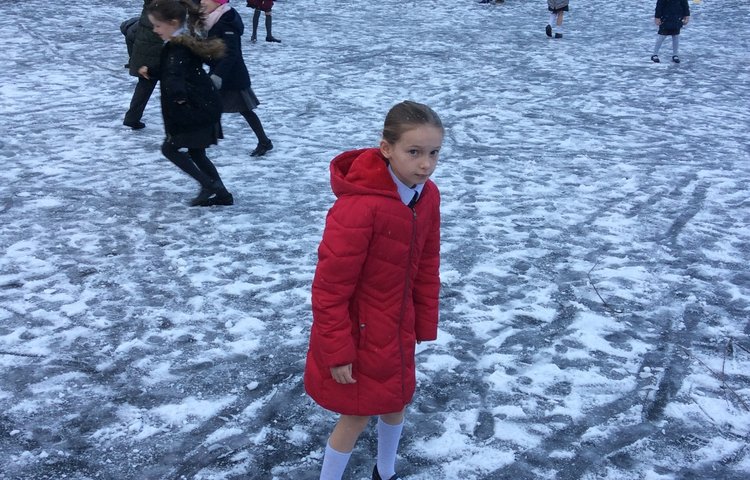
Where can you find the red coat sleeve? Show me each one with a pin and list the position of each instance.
(341, 254)
(426, 293)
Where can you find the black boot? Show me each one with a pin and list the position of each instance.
(256, 18)
(213, 194)
(269, 35)
(262, 148)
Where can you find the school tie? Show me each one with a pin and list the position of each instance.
(413, 200)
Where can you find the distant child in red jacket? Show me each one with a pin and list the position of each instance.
(376, 286)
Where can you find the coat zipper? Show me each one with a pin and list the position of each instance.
(404, 299)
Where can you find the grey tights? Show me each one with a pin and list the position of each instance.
(675, 44)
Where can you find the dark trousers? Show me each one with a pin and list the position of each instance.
(143, 90)
(194, 162)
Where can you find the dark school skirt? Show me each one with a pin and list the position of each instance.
(236, 101)
(558, 10)
(265, 5)
(663, 30)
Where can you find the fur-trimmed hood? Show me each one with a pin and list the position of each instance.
(207, 49)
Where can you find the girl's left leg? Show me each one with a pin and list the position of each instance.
(264, 143)
(559, 26)
(206, 197)
(269, 33)
(657, 47)
(390, 427)
(675, 45)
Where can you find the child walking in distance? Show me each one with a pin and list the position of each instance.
(670, 16)
(265, 6)
(190, 104)
(555, 25)
(146, 49)
(376, 286)
(229, 72)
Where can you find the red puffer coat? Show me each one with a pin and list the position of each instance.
(376, 288)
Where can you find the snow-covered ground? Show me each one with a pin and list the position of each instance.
(596, 209)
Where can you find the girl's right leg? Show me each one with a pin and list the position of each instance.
(340, 445)
(659, 41)
(256, 19)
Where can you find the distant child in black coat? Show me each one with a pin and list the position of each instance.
(145, 51)
(670, 16)
(190, 103)
(229, 73)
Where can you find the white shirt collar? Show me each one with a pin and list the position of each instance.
(405, 191)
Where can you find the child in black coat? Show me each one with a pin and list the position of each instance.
(229, 73)
(190, 104)
(670, 16)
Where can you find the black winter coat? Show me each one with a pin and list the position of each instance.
(231, 67)
(147, 45)
(671, 13)
(189, 100)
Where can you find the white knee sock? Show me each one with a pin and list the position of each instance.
(388, 438)
(553, 20)
(334, 464)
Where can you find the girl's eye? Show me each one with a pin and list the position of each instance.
(434, 153)
(413, 152)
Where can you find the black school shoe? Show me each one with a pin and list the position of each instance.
(558, 35)
(548, 30)
(273, 40)
(262, 149)
(135, 125)
(376, 475)
(212, 196)
(655, 58)
(675, 59)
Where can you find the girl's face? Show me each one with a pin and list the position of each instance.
(414, 156)
(208, 6)
(165, 30)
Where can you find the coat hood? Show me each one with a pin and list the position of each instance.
(362, 172)
(209, 49)
(230, 20)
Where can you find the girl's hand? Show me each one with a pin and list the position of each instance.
(657, 21)
(685, 20)
(143, 72)
(343, 374)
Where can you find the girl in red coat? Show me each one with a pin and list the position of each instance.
(376, 286)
